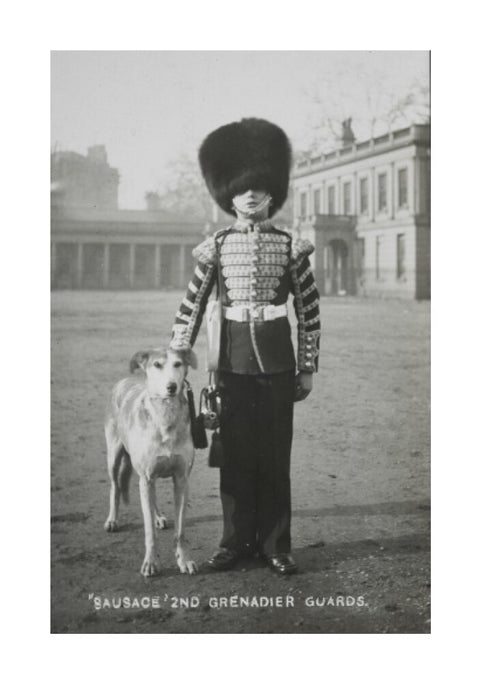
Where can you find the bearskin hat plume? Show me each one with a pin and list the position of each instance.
(252, 154)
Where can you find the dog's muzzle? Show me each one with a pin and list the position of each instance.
(171, 388)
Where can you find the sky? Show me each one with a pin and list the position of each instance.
(148, 108)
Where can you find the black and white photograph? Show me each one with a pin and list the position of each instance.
(240, 342)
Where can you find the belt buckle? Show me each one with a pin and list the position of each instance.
(244, 315)
(269, 312)
(256, 313)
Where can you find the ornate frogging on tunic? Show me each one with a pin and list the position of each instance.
(259, 266)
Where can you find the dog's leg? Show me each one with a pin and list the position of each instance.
(180, 487)
(147, 498)
(115, 452)
(160, 519)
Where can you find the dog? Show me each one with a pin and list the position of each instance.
(147, 428)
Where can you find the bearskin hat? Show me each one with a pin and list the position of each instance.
(252, 154)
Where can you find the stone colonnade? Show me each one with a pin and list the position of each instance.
(113, 265)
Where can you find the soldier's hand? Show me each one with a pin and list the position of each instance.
(303, 385)
(179, 344)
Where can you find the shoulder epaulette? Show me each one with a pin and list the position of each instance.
(206, 251)
(300, 248)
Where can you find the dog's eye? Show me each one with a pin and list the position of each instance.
(157, 364)
(177, 364)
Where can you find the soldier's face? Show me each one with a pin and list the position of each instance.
(252, 202)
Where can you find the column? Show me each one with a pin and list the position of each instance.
(131, 267)
(350, 284)
(106, 265)
(320, 261)
(157, 266)
(79, 274)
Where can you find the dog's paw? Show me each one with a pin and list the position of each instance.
(111, 525)
(191, 567)
(149, 568)
(186, 565)
(161, 522)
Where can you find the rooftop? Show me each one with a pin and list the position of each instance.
(123, 221)
(415, 134)
(88, 215)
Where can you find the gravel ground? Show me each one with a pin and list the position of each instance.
(360, 484)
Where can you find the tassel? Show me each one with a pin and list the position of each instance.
(216, 454)
(199, 435)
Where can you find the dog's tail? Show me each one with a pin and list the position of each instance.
(124, 474)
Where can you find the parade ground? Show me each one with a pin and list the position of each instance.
(360, 483)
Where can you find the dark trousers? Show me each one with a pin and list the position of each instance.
(256, 432)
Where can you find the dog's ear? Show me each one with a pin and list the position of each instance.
(139, 361)
(188, 356)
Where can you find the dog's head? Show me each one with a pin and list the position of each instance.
(165, 369)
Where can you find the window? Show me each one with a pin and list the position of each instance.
(377, 258)
(402, 188)
(303, 205)
(347, 198)
(331, 199)
(316, 201)
(382, 192)
(400, 256)
(364, 195)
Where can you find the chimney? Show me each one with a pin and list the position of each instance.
(348, 137)
(98, 154)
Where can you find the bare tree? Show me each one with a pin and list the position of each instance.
(185, 193)
(378, 107)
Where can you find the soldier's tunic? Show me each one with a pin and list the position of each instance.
(257, 267)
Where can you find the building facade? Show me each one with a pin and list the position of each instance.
(96, 245)
(84, 181)
(120, 249)
(366, 207)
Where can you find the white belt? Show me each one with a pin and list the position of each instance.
(244, 314)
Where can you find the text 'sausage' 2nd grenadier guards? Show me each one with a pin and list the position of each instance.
(246, 166)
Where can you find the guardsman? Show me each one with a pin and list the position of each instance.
(256, 267)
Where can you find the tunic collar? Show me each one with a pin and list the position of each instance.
(246, 226)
